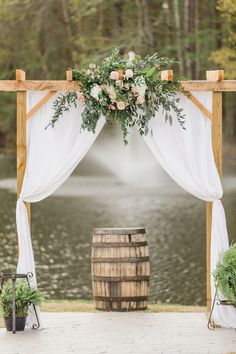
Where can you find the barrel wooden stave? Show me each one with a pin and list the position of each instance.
(113, 262)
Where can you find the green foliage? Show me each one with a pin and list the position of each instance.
(126, 89)
(25, 296)
(54, 35)
(225, 274)
(225, 56)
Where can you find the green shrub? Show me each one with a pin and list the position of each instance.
(225, 274)
(24, 296)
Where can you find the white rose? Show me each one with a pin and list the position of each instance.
(131, 56)
(140, 99)
(95, 91)
(114, 75)
(119, 83)
(135, 90)
(120, 105)
(92, 66)
(142, 89)
(112, 96)
(129, 73)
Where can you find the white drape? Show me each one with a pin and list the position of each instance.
(187, 156)
(52, 155)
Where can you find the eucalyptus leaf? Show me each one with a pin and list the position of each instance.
(123, 90)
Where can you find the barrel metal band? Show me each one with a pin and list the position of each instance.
(121, 279)
(120, 298)
(119, 244)
(120, 260)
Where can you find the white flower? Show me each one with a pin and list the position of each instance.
(140, 86)
(92, 66)
(129, 73)
(140, 99)
(119, 83)
(131, 56)
(114, 75)
(135, 90)
(120, 105)
(111, 92)
(95, 91)
(81, 97)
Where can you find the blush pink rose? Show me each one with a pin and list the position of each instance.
(140, 99)
(129, 74)
(112, 96)
(120, 105)
(114, 75)
(81, 97)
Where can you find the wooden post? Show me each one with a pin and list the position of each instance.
(69, 75)
(167, 75)
(21, 135)
(217, 150)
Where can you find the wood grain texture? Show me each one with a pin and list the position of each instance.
(120, 270)
(69, 75)
(21, 143)
(20, 75)
(215, 75)
(56, 85)
(167, 75)
(200, 106)
(217, 150)
(44, 100)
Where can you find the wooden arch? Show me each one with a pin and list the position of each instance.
(214, 82)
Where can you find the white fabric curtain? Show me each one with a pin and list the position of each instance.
(187, 156)
(52, 155)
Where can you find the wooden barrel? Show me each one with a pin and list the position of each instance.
(120, 269)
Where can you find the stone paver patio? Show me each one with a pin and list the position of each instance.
(121, 333)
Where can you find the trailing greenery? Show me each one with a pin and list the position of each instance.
(25, 296)
(124, 89)
(225, 274)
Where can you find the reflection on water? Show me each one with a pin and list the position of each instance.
(62, 230)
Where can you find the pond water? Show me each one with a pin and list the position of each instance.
(139, 194)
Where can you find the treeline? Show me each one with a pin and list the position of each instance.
(45, 37)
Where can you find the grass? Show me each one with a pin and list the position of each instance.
(88, 306)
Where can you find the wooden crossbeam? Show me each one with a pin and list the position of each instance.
(44, 100)
(168, 75)
(56, 85)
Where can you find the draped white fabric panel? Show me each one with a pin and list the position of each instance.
(187, 156)
(52, 155)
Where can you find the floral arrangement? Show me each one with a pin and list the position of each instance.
(125, 89)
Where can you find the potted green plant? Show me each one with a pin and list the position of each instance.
(225, 276)
(25, 296)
